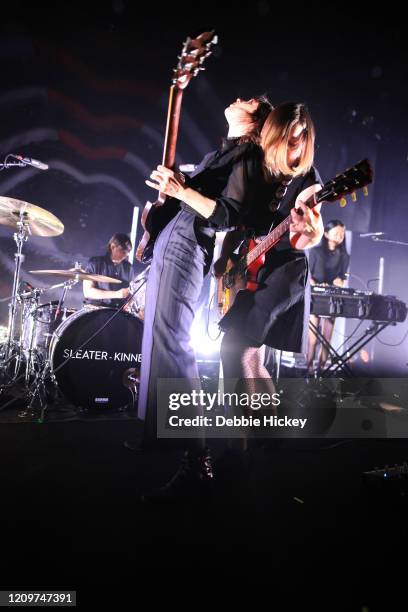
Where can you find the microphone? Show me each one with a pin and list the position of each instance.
(370, 234)
(30, 161)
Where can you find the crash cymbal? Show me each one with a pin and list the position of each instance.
(78, 274)
(40, 221)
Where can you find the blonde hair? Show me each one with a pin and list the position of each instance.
(275, 139)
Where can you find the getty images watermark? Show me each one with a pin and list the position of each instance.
(188, 412)
(334, 408)
(211, 402)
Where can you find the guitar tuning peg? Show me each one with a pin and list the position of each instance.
(343, 202)
(365, 191)
(353, 196)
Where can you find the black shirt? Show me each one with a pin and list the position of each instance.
(104, 265)
(326, 265)
(226, 176)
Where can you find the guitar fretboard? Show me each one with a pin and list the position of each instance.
(267, 243)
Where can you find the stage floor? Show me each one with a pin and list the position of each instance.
(294, 513)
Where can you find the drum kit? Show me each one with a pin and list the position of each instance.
(91, 355)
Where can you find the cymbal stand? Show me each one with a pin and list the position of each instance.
(67, 286)
(20, 237)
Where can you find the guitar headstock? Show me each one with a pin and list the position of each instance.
(346, 183)
(193, 55)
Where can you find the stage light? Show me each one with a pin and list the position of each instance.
(3, 333)
(203, 343)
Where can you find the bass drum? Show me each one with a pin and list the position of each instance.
(96, 357)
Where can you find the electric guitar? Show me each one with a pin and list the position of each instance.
(242, 274)
(155, 216)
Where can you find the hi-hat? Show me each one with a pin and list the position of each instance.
(77, 274)
(40, 222)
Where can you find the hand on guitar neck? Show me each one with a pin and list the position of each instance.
(306, 224)
(168, 181)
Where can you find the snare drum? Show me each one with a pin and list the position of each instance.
(96, 357)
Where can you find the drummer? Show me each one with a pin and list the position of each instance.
(114, 264)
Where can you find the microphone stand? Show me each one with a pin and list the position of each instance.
(377, 239)
(19, 164)
(6, 165)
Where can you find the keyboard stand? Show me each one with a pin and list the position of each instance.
(339, 361)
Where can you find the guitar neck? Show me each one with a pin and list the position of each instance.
(357, 177)
(276, 234)
(267, 243)
(172, 126)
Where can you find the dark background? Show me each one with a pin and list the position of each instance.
(84, 88)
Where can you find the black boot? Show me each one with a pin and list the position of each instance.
(191, 481)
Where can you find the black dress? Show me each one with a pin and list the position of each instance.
(276, 314)
(182, 254)
(326, 265)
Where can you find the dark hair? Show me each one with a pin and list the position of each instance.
(329, 226)
(119, 239)
(333, 223)
(263, 110)
(259, 116)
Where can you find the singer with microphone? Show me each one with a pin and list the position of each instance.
(328, 264)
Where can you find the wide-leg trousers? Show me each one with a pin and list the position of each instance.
(172, 293)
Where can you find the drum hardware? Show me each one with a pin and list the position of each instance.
(38, 357)
(91, 377)
(29, 220)
(131, 380)
(94, 359)
(35, 344)
(30, 347)
(135, 302)
(46, 364)
(41, 369)
(27, 348)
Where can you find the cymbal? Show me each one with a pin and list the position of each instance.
(40, 221)
(78, 274)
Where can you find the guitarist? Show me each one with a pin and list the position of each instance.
(211, 199)
(276, 314)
